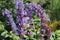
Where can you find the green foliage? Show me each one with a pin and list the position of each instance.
(6, 4)
(9, 4)
(1, 29)
(5, 34)
(1, 26)
(55, 9)
(55, 35)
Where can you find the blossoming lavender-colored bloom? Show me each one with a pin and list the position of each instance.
(25, 19)
(43, 17)
(20, 11)
(39, 9)
(10, 18)
(29, 10)
(47, 28)
(20, 16)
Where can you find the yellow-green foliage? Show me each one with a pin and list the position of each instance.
(1, 26)
(54, 25)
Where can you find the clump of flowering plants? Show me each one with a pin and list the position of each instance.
(27, 27)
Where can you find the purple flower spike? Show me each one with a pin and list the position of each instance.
(41, 12)
(10, 18)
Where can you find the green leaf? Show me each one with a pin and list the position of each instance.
(4, 33)
(25, 36)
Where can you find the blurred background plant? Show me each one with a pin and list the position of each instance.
(55, 10)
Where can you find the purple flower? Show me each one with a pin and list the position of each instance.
(23, 32)
(10, 18)
(25, 19)
(20, 11)
(7, 13)
(47, 30)
(29, 10)
(40, 12)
